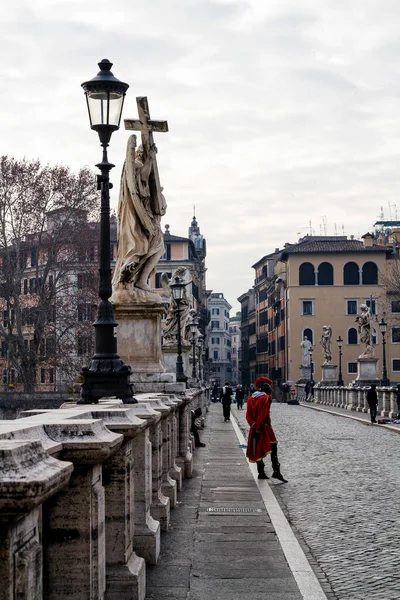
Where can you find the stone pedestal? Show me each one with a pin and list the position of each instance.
(305, 374)
(139, 335)
(329, 375)
(367, 371)
(170, 354)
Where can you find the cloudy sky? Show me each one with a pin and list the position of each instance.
(281, 112)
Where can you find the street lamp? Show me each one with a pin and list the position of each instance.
(383, 328)
(194, 328)
(311, 362)
(200, 347)
(177, 292)
(107, 375)
(340, 381)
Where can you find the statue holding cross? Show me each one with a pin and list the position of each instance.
(141, 205)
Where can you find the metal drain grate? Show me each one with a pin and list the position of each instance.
(221, 510)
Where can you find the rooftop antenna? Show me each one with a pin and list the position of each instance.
(324, 226)
(194, 210)
(390, 211)
(336, 230)
(381, 216)
(343, 229)
(311, 231)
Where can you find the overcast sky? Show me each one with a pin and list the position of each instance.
(280, 112)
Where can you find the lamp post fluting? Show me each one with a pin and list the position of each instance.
(177, 292)
(340, 381)
(194, 328)
(107, 375)
(200, 346)
(383, 328)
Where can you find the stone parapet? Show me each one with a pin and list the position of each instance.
(84, 492)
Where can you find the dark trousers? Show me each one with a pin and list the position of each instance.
(226, 408)
(239, 402)
(372, 410)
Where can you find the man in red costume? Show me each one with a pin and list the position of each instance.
(262, 440)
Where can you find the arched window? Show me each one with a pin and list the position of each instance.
(370, 274)
(309, 334)
(352, 336)
(306, 274)
(351, 274)
(325, 274)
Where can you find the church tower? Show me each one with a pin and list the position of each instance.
(197, 238)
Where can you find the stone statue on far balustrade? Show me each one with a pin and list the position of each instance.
(364, 331)
(140, 238)
(326, 344)
(305, 346)
(170, 331)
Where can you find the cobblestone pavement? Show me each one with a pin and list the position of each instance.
(343, 497)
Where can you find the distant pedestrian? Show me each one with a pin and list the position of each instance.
(372, 399)
(286, 392)
(312, 383)
(398, 400)
(226, 397)
(307, 389)
(252, 388)
(262, 439)
(239, 397)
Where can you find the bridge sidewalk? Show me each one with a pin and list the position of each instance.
(222, 543)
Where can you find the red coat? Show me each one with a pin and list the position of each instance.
(261, 434)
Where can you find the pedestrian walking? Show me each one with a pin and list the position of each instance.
(372, 399)
(307, 388)
(239, 397)
(226, 397)
(398, 400)
(262, 439)
(286, 392)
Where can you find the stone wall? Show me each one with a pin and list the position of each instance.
(85, 492)
(354, 398)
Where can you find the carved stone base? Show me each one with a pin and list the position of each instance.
(367, 372)
(139, 336)
(329, 375)
(170, 354)
(305, 374)
(126, 582)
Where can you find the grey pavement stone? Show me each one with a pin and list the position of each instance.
(342, 497)
(227, 557)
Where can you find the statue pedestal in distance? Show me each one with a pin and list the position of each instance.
(170, 355)
(329, 376)
(367, 372)
(305, 374)
(138, 314)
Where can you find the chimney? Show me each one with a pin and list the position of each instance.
(368, 240)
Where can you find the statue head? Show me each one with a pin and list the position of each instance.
(139, 156)
(364, 308)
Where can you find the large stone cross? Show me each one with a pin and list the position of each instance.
(147, 126)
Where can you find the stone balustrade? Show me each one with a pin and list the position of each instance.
(353, 398)
(85, 492)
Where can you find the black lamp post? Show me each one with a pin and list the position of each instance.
(311, 362)
(193, 328)
(177, 291)
(383, 328)
(200, 346)
(340, 381)
(107, 375)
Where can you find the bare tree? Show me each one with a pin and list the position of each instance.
(47, 239)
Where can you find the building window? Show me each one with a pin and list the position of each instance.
(86, 312)
(370, 274)
(352, 336)
(214, 324)
(351, 368)
(85, 345)
(25, 287)
(351, 274)
(306, 274)
(51, 375)
(309, 334)
(307, 307)
(215, 311)
(325, 274)
(396, 364)
(351, 307)
(395, 335)
(395, 307)
(42, 375)
(215, 354)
